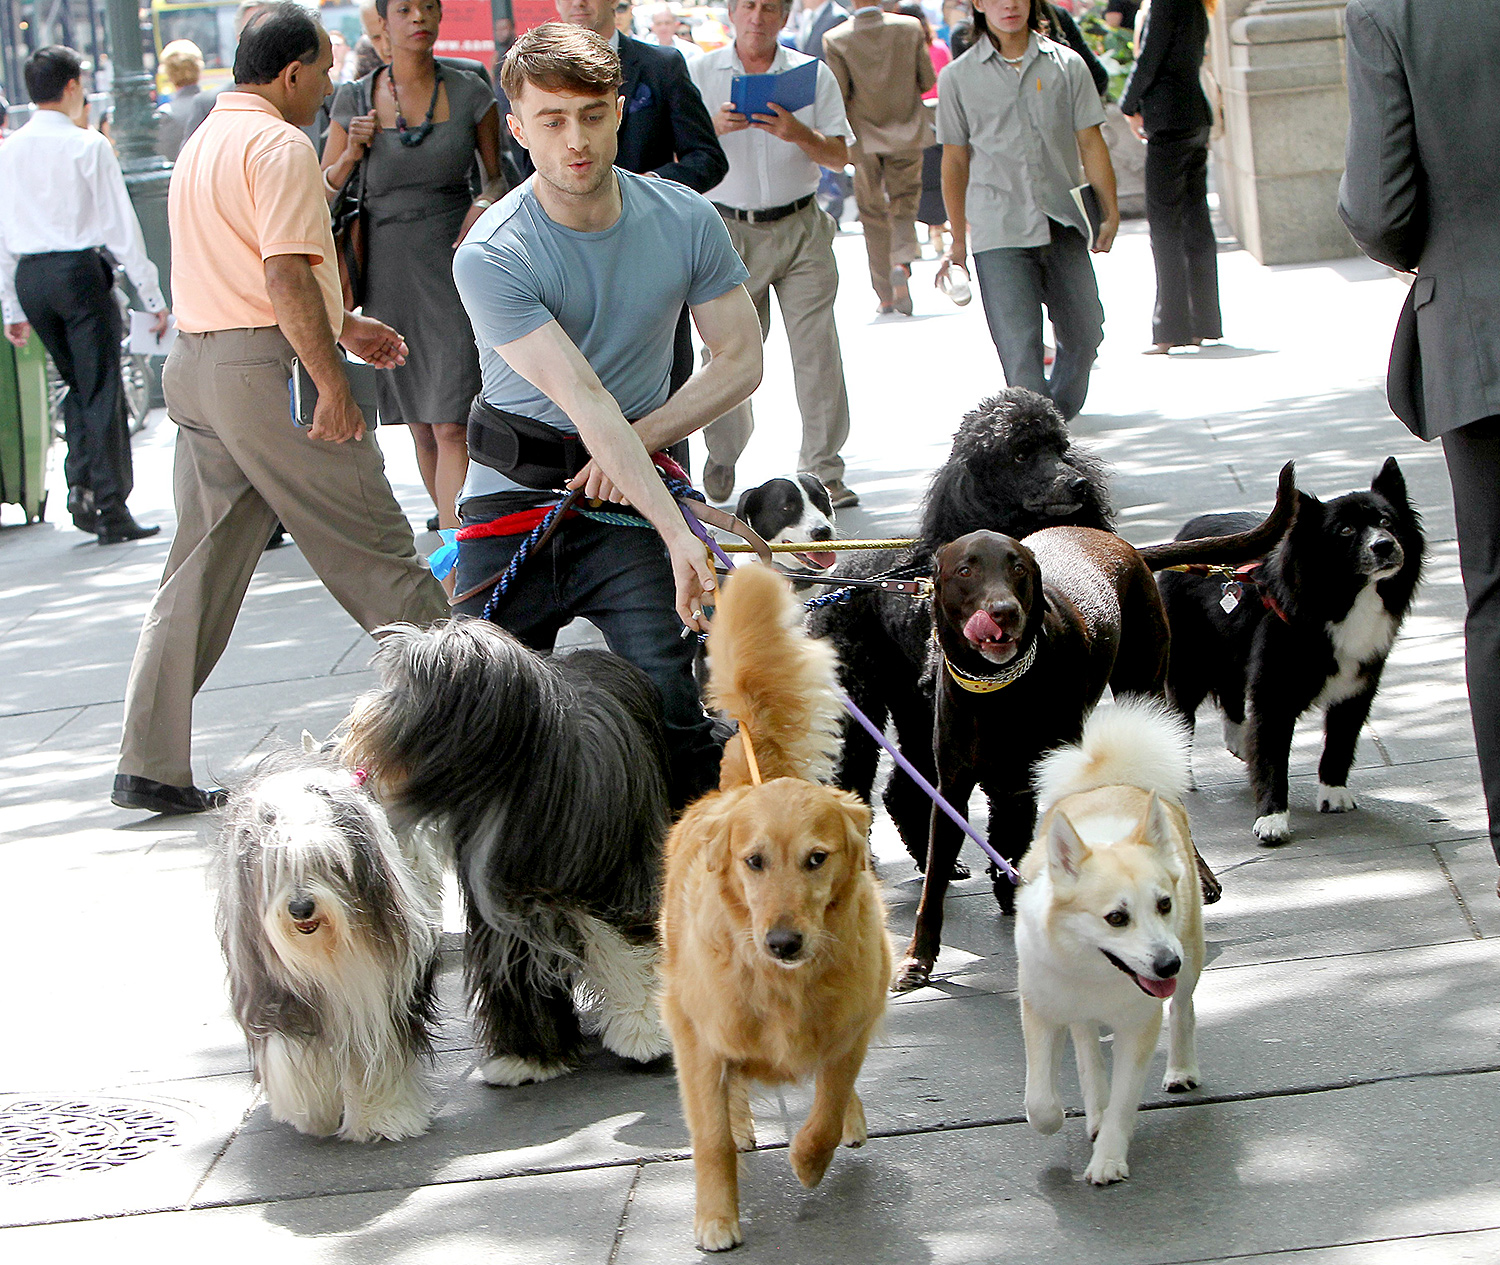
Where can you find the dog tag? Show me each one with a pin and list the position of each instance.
(1231, 597)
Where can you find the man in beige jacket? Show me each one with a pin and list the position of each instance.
(882, 66)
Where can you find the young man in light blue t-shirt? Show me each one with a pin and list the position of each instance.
(573, 283)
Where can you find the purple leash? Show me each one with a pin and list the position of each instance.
(906, 767)
(870, 728)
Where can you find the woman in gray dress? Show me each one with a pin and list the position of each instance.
(418, 125)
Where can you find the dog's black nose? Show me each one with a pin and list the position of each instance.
(302, 908)
(821, 533)
(1078, 485)
(1383, 547)
(1166, 966)
(785, 945)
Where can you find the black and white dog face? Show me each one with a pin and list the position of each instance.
(1362, 527)
(1356, 539)
(792, 508)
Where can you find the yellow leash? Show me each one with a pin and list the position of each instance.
(821, 546)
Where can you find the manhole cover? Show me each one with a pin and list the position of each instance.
(56, 1137)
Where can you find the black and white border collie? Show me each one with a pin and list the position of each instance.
(792, 508)
(1314, 629)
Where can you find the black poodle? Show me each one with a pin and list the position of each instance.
(1012, 470)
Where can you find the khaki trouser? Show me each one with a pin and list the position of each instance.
(241, 465)
(887, 190)
(795, 256)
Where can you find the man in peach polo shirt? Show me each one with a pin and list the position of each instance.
(256, 282)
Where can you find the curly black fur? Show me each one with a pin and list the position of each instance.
(1014, 470)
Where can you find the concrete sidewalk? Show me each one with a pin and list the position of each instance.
(1350, 1111)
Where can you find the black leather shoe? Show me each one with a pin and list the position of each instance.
(81, 507)
(116, 527)
(157, 797)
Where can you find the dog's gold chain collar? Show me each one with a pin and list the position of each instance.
(989, 684)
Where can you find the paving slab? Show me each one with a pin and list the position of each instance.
(602, 1114)
(1207, 1182)
(1291, 1027)
(560, 1219)
(1479, 1247)
(1471, 866)
(116, 1150)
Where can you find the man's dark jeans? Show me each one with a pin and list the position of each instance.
(620, 580)
(1014, 283)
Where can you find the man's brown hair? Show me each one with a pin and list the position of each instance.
(561, 57)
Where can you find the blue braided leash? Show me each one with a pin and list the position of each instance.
(679, 488)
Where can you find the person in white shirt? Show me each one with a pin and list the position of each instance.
(664, 23)
(786, 240)
(62, 203)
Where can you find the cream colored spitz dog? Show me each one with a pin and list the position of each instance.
(1109, 923)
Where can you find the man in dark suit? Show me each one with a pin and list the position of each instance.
(1419, 194)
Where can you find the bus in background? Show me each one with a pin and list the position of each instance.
(210, 25)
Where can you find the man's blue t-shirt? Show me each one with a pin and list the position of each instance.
(616, 294)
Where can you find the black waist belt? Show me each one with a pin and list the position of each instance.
(532, 453)
(769, 216)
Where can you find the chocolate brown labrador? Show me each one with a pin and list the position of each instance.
(1027, 633)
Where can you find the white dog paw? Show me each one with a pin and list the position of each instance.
(1273, 828)
(640, 1038)
(1234, 739)
(1104, 1170)
(506, 1069)
(1179, 1080)
(717, 1234)
(1045, 1117)
(1335, 799)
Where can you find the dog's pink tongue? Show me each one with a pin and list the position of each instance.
(822, 559)
(1158, 987)
(982, 628)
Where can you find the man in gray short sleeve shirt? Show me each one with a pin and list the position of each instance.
(1015, 114)
(573, 283)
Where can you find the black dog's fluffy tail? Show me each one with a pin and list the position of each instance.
(1243, 546)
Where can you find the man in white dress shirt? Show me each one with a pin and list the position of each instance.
(664, 24)
(62, 202)
(783, 236)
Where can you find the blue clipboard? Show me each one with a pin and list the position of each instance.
(791, 90)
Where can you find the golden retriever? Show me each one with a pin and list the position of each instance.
(775, 957)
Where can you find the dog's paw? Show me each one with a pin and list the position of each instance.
(911, 974)
(1234, 739)
(405, 1115)
(506, 1069)
(1044, 1115)
(1179, 1080)
(1335, 799)
(717, 1234)
(856, 1131)
(742, 1126)
(640, 1038)
(810, 1158)
(1273, 828)
(1105, 1170)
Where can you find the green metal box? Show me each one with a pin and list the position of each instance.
(25, 428)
